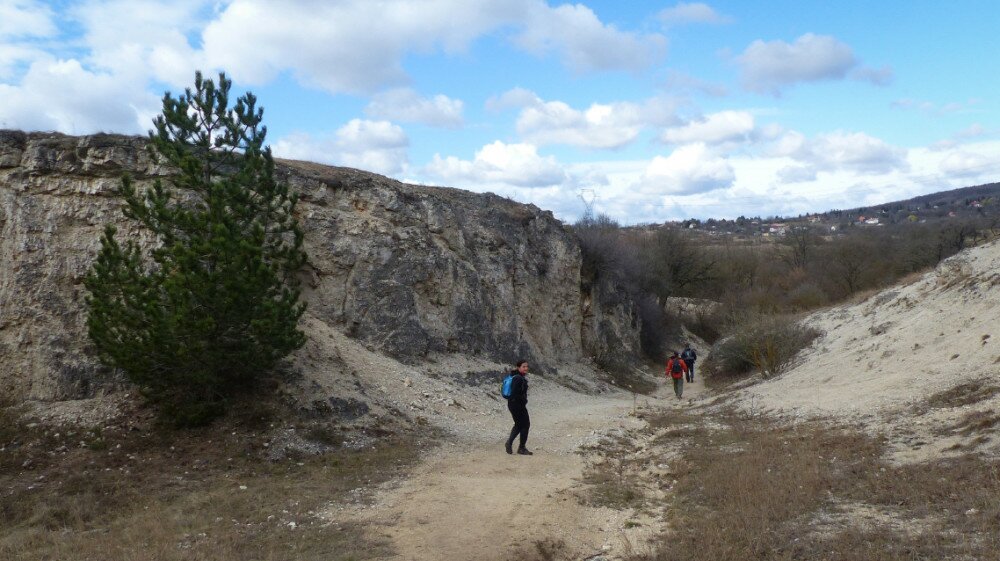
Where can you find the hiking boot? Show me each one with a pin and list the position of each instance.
(524, 452)
(507, 447)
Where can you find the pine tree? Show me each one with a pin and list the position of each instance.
(215, 303)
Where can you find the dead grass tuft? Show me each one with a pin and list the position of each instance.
(963, 394)
(550, 549)
(975, 422)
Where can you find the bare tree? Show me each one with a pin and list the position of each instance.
(801, 242)
(673, 263)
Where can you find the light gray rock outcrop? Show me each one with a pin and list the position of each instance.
(412, 271)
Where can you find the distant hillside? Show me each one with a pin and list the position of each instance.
(955, 197)
(980, 201)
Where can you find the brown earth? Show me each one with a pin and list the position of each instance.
(470, 500)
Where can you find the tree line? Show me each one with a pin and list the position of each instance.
(760, 280)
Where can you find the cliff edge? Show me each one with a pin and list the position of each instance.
(411, 272)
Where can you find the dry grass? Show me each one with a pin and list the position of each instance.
(963, 394)
(613, 475)
(756, 490)
(138, 494)
(548, 549)
(632, 379)
(670, 428)
(974, 423)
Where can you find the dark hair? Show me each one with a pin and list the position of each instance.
(519, 363)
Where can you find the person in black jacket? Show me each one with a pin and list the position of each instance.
(689, 357)
(518, 406)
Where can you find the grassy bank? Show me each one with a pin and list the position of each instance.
(138, 494)
(750, 488)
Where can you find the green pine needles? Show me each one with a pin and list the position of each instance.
(215, 303)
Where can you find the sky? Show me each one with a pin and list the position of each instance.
(643, 111)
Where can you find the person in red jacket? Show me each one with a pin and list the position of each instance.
(677, 369)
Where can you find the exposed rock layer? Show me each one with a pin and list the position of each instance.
(412, 271)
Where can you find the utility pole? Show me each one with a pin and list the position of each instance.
(589, 197)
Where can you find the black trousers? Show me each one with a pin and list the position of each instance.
(522, 422)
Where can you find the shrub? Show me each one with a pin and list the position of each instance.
(764, 343)
(708, 325)
(807, 296)
(605, 253)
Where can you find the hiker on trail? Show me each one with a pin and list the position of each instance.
(676, 369)
(689, 356)
(517, 403)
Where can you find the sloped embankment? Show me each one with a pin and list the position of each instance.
(919, 362)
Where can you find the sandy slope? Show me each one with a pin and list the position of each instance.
(881, 359)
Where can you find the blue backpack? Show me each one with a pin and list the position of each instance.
(508, 383)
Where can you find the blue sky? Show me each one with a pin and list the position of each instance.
(654, 110)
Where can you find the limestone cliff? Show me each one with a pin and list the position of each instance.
(411, 271)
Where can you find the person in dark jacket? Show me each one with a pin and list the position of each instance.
(518, 406)
(689, 356)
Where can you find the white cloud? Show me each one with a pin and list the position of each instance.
(962, 163)
(716, 128)
(61, 95)
(601, 125)
(689, 169)
(584, 43)
(143, 36)
(787, 144)
(697, 182)
(24, 24)
(768, 67)
(797, 174)
(499, 164)
(856, 152)
(838, 151)
(357, 46)
(377, 146)
(406, 105)
(14, 55)
(353, 46)
(691, 12)
(511, 99)
(932, 108)
(122, 45)
(686, 83)
(974, 130)
(25, 18)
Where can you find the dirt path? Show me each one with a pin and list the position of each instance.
(470, 500)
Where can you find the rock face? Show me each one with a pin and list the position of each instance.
(412, 271)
